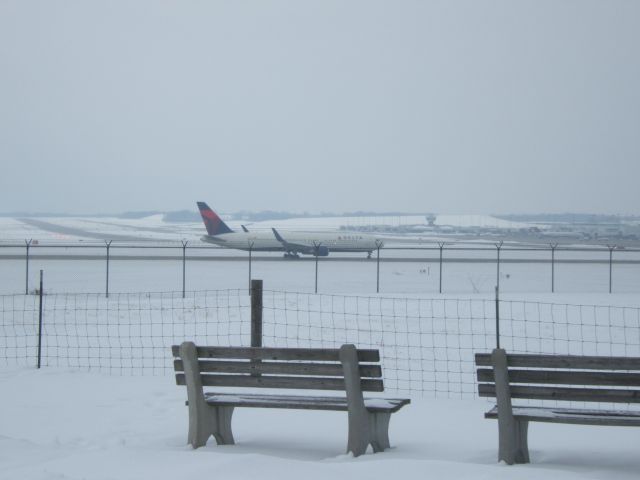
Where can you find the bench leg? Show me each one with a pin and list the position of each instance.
(201, 426)
(209, 421)
(359, 434)
(522, 447)
(513, 443)
(223, 433)
(379, 427)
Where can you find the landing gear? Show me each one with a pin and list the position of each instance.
(369, 254)
(291, 255)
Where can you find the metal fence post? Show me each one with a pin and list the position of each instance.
(378, 245)
(441, 246)
(316, 246)
(27, 244)
(498, 248)
(256, 313)
(553, 266)
(611, 249)
(108, 244)
(251, 243)
(40, 320)
(184, 267)
(497, 318)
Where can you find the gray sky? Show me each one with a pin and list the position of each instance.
(446, 106)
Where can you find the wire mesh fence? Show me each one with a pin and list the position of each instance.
(427, 345)
(124, 333)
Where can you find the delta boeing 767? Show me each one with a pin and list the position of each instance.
(291, 243)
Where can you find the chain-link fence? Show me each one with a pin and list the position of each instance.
(422, 268)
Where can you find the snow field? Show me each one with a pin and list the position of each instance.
(64, 424)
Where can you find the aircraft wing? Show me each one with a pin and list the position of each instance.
(301, 248)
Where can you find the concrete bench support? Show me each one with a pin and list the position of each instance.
(512, 444)
(204, 420)
(364, 427)
(379, 428)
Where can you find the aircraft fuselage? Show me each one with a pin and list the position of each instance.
(266, 242)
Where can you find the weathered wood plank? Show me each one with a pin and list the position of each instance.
(564, 361)
(572, 416)
(565, 394)
(262, 353)
(280, 368)
(268, 381)
(565, 377)
(388, 405)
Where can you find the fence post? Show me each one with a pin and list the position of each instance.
(378, 245)
(498, 248)
(40, 320)
(553, 266)
(27, 244)
(316, 246)
(250, 255)
(184, 266)
(611, 249)
(441, 246)
(256, 313)
(108, 244)
(497, 318)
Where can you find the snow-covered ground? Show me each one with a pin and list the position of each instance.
(59, 424)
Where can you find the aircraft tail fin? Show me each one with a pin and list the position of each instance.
(212, 222)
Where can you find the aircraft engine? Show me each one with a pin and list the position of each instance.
(323, 251)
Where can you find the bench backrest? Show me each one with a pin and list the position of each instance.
(562, 377)
(291, 368)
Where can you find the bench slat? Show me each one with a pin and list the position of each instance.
(564, 361)
(572, 415)
(568, 394)
(389, 405)
(319, 369)
(268, 381)
(559, 377)
(261, 353)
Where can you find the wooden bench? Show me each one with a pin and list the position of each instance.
(554, 377)
(345, 369)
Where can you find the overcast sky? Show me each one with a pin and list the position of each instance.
(445, 106)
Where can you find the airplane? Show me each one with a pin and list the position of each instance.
(295, 243)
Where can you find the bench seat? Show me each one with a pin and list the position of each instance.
(572, 415)
(382, 405)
